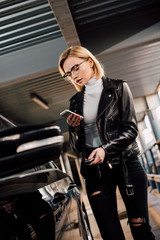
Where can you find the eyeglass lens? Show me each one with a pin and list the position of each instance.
(74, 69)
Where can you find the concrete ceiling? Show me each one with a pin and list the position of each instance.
(124, 35)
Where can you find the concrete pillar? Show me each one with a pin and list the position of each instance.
(147, 139)
(153, 103)
(145, 157)
(62, 163)
(78, 162)
(67, 165)
(80, 176)
(149, 132)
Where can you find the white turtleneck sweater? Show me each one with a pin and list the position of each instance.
(92, 94)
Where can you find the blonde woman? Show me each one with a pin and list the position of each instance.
(107, 137)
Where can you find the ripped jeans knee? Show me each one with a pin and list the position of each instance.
(95, 193)
(136, 222)
(140, 229)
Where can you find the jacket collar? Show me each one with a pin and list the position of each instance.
(78, 96)
(108, 84)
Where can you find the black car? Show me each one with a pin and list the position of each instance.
(37, 200)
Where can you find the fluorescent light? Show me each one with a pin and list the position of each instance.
(40, 101)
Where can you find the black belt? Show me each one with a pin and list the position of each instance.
(129, 185)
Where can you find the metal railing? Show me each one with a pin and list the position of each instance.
(154, 177)
(151, 161)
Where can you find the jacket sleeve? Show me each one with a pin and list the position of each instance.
(128, 131)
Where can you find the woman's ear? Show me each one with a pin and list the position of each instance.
(91, 63)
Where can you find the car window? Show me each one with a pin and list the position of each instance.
(48, 165)
(57, 163)
(45, 166)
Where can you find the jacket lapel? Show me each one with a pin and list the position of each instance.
(105, 100)
(107, 95)
(77, 101)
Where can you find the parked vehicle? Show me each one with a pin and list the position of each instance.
(37, 200)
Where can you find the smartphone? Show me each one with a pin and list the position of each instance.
(67, 112)
(87, 161)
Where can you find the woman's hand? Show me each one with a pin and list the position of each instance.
(99, 156)
(74, 120)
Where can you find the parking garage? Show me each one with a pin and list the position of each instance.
(124, 36)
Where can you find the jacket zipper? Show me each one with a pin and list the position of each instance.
(99, 117)
(113, 114)
(109, 164)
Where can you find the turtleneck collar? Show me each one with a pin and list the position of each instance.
(92, 83)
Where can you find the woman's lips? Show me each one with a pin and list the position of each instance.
(79, 81)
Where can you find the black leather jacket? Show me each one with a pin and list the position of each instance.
(116, 121)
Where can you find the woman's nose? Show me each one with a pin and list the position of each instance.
(74, 75)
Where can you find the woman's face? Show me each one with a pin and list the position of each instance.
(78, 70)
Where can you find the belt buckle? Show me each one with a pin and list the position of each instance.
(130, 190)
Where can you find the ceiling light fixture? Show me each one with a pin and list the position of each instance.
(40, 101)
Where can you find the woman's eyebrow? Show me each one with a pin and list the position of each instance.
(73, 66)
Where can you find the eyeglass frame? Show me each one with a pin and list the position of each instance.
(76, 65)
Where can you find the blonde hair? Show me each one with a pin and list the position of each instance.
(80, 52)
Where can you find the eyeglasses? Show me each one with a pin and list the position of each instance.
(74, 69)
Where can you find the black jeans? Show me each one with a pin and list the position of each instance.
(102, 179)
